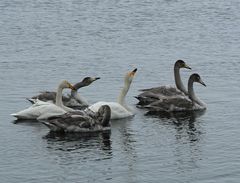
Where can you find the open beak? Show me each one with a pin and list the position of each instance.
(187, 67)
(200, 81)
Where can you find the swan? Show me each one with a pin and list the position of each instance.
(74, 100)
(153, 94)
(81, 121)
(180, 103)
(43, 110)
(118, 109)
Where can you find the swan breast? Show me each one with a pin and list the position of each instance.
(117, 110)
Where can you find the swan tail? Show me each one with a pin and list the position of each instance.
(14, 115)
(52, 126)
(142, 101)
(31, 100)
(20, 116)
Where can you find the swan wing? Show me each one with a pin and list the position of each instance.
(80, 121)
(154, 94)
(46, 96)
(163, 90)
(49, 96)
(39, 109)
(171, 104)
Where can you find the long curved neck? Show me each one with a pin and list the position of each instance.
(178, 80)
(123, 93)
(192, 95)
(59, 102)
(59, 97)
(76, 95)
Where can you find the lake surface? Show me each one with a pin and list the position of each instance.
(43, 42)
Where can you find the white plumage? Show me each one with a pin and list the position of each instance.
(44, 110)
(118, 109)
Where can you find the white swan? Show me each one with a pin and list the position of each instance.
(43, 110)
(75, 100)
(180, 103)
(153, 94)
(119, 109)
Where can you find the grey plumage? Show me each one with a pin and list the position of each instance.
(153, 94)
(71, 100)
(81, 121)
(179, 103)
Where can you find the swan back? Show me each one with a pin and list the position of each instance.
(82, 121)
(39, 110)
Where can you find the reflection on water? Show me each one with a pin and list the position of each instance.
(126, 135)
(77, 149)
(31, 122)
(187, 132)
(80, 139)
(187, 150)
(183, 121)
(74, 141)
(179, 117)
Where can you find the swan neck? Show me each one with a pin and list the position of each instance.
(78, 97)
(59, 97)
(178, 80)
(192, 95)
(59, 101)
(76, 86)
(123, 93)
(79, 85)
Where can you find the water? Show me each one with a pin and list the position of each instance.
(42, 42)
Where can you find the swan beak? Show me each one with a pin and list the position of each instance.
(200, 81)
(187, 67)
(96, 78)
(71, 86)
(133, 72)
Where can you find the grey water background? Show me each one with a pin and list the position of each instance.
(43, 42)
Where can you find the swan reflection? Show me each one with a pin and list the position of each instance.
(178, 117)
(75, 141)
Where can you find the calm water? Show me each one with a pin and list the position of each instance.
(43, 42)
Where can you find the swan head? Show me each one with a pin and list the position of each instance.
(130, 75)
(88, 80)
(85, 82)
(196, 78)
(104, 115)
(181, 64)
(66, 84)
